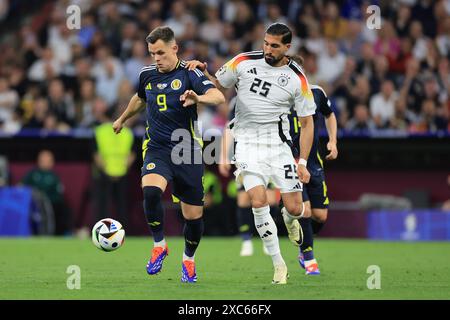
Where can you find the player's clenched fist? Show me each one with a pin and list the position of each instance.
(333, 151)
(117, 126)
(303, 173)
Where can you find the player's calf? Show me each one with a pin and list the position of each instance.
(267, 229)
(294, 209)
(319, 217)
(295, 232)
(193, 231)
(268, 232)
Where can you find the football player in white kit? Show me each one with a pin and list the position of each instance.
(268, 83)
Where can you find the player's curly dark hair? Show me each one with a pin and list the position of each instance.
(160, 33)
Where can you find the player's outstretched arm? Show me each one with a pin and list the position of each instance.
(135, 106)
(203, 66)
(331, 124)
(306, 139)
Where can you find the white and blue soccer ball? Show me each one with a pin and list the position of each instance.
(108, 234)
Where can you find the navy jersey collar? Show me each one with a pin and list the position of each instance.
(180, 64)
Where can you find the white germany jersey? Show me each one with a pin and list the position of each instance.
(265, 95)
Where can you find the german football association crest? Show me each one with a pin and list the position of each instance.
(283, 80)
(176, 84)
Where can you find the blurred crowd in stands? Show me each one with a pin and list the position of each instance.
(393, 78)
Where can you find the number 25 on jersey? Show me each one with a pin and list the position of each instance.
(263, 89)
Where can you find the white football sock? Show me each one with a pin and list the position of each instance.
(268, 232)
(310, 262)
(185, 257)
(161, 243)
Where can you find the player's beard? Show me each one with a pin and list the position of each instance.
(271, 60)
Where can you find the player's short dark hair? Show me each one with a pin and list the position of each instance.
(160, 33)
(299, 59)
(280, 29)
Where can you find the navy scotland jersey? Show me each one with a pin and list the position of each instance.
(323, 105)
(165, 114)
(165, 111)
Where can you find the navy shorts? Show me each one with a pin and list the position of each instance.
(316, 191)
(186, 179)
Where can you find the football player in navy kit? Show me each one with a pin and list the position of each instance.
(314, 193)
(170, 93)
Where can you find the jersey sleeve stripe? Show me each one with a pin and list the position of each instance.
(305, 89)
(152, 66)
(148, 68)
(244, 56)
(198, 73)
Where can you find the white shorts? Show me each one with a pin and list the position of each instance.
(261, 164)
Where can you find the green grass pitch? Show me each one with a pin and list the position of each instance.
(36, 268)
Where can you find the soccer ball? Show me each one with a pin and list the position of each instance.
(108, 234)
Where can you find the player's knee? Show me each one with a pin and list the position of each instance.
(259, 203)
(295, 209)
(258, 198)
(320, 216)
(191, 212)
(152, 194)
(323, 219)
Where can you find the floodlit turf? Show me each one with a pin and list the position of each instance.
(36, 268)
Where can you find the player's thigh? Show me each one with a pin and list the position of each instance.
(188, 183)
(258, 196)
(317, 193)
(155, 170)
(154, 180)
(283, 170)
(191, 212)
(273, 196)
(243, 199)
(250, 170)
(292, 201)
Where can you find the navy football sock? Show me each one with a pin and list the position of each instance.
(193, 231)
(307, 245)
(244, 217)
(316, 226)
